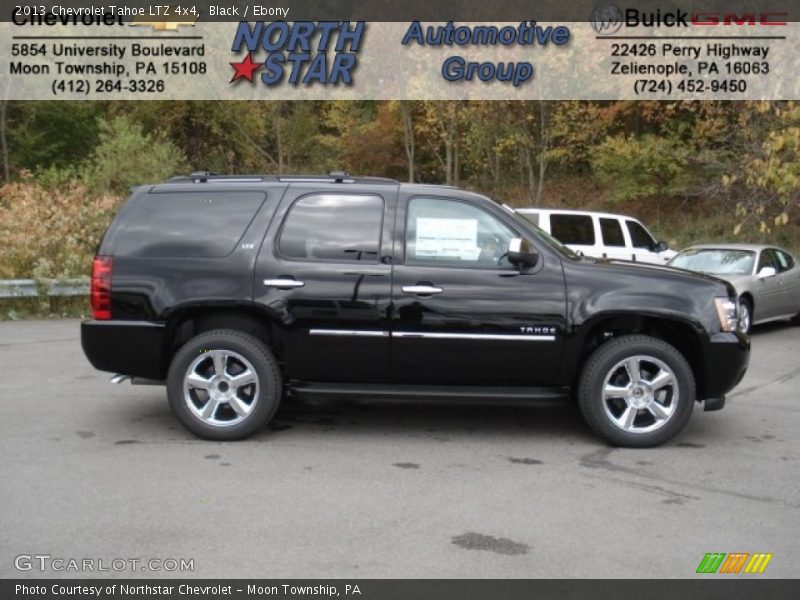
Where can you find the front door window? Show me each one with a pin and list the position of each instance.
(452, 233)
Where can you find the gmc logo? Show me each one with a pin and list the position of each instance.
(734, 19)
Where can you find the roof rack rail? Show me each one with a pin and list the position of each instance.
(337, 177)
(207, 176)
(440, 185)
(332, 177)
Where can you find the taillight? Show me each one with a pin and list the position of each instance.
(100, 293)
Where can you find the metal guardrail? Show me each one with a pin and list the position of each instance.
(18, 288)
(68, 287)
(11, 289)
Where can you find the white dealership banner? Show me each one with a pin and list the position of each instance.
(113, 55)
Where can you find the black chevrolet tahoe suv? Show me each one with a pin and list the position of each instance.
(238, 291)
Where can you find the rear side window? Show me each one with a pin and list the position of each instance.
(333, 227)
(206, 224)
(572, 229)
(611, 231)
(639, 236)
(768, 259)
(786, 262)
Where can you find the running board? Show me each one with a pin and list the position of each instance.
(423, 392)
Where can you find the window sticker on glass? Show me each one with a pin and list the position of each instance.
(447, 238)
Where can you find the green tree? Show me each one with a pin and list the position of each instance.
(127, 156)
(51, 134)
(773, 171)
(642, 167)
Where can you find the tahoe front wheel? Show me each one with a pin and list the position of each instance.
(223, 385)
(636, 391)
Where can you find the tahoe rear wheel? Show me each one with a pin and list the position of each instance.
(636, 391)
(223, 385)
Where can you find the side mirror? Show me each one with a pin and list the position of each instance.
(522, 254)
(766, 272)
(661, 246)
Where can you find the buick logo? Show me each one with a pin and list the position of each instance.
(606, 19)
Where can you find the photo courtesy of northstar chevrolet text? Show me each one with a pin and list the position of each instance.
(380, 300)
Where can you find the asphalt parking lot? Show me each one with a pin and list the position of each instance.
(93, 470)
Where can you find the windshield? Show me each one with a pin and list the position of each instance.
(715, 261)
(524, 221)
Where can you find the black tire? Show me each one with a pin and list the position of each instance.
(745, 308)
(268, 383)
(604, 363)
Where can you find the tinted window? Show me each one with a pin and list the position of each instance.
(785, 260)
(768, 259)
(205, 224)
(527, 224)
(640, 238)
(448, 231)
(572, 229)
(333, 227)
(612, 232)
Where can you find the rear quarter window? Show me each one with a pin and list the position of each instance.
(206, 224)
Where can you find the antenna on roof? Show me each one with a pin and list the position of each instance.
(339, 176)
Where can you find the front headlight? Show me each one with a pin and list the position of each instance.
(726, 310)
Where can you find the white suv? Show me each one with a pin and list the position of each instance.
(602, 235)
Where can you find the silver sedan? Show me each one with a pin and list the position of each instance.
(766, 278)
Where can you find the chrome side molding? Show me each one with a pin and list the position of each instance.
(514, 337)
(348, 333)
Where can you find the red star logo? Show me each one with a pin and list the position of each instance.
(245, 68)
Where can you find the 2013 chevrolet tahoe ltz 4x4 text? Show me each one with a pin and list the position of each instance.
(238, 291)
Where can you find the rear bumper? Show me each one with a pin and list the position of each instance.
(727, 356)
(136, 348)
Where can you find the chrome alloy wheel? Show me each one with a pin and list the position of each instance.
(640, 394)
(744, 317)
(220, 388)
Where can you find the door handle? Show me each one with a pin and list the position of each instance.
(421, 290)
(284, 284)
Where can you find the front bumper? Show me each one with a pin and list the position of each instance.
(136, 348)
(726, 358)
